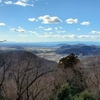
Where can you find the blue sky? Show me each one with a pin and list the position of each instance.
(49, 20)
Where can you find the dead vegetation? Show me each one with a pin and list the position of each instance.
(24, 76)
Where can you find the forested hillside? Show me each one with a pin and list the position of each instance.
(25, 76)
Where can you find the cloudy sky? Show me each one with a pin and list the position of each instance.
(49, 20)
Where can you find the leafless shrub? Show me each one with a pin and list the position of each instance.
(92, 73)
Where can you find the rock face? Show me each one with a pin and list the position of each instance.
(79, 49)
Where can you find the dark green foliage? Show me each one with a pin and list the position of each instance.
(67, 93)
(86, 96)
(64, 93)
(78, 81)
(69, 61)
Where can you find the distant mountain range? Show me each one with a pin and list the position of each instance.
(50, 43)
(78, 49)
(61, 48)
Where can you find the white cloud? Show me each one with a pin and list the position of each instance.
(41, 27)
(83, 36)
(78, 29)
(48, 29)
(48, 35)
(60, 27)
(50, 32)
(87, 23)
(2, 24)
(0, 0)
(45, 29)
(56, 28)
(63, 31)
(33, 32)
(36, 20)
(31, 19)
(60, 31)
(8, 2)
(95, 32)
(50, 20)
(69, 36)
(71, 21)
(23, 3)
(88, 36)
(19, 29)
(19, 2)
(22, 35)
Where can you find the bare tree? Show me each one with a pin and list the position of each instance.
(2, 78)
(27, 73)
(4, 65)
(92, 65)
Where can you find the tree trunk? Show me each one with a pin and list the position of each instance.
(0, 93)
